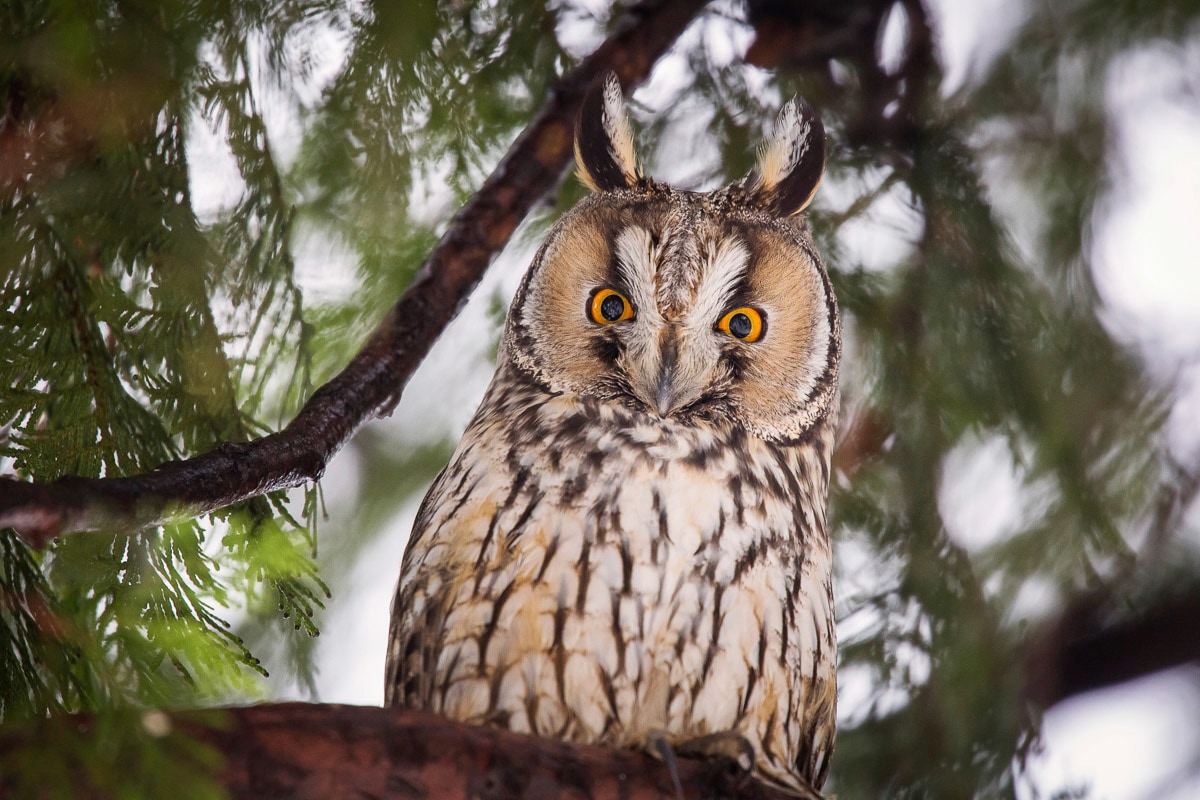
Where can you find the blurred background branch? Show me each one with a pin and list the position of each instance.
(1102, 640)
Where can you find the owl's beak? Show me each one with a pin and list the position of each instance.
(666, 374)
(667, 394)
(665, 398)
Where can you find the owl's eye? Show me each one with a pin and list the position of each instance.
(742, 323)
(609, 306)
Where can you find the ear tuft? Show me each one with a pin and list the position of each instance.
(604, 139)
(790, 162)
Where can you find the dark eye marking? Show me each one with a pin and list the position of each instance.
(607, 349)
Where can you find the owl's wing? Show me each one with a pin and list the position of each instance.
(404, 640)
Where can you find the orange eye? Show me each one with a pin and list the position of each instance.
(743, 323)
(609, 306)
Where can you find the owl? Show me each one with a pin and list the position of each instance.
(629, 545)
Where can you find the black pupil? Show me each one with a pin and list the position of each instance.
(740, 326)
(612, 307)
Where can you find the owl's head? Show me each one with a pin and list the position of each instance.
(685, 306)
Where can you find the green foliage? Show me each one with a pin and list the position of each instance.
(427, 99)
(134, 333)
(135, 329)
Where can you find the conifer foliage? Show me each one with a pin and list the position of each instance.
(133, 333)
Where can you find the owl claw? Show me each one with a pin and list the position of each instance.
(659, 747)
(727, 746)
(733, 747)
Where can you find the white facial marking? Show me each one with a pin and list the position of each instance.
(637, 263)
(818, 352)
(725, 265)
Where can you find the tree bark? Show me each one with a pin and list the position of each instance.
(371, 384)
(303, 751)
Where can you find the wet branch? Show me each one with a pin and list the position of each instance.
(371, 384)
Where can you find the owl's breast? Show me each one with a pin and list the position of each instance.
(596, 574)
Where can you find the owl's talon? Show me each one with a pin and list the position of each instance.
(727, 745)
(658, 745)
(656, 742)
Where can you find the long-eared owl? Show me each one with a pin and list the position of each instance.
(630, 539)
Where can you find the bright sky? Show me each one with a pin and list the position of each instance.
(1124, 742)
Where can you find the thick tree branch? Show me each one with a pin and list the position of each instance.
(371, 384)
(300, 751)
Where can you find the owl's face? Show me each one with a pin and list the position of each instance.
(685, 306)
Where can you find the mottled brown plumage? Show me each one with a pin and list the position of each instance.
(629, 543)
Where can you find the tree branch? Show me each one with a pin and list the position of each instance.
(1075, 654)
(371, 384)
(1084, 648)
(299, 750)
